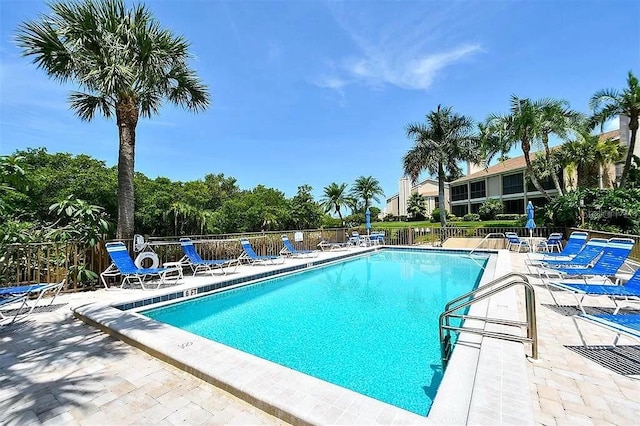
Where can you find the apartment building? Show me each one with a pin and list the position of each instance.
(505, 181)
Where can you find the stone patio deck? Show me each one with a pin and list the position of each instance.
(58, 370)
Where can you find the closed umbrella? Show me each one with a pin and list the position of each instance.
(530, 223)
(367, 216)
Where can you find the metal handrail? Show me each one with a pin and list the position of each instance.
(484, 292)
(486, 237)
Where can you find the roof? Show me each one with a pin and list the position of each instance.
(512, 164)
(614, 134)
(518, 163)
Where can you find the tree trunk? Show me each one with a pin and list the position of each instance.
(550, 165)
(443, 206)
(633, 126)
(127, 120)
(526, 147)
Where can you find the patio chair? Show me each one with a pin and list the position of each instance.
(25, 293)
(614, 255)
(355, 239)
(629, 291)
(332, 246)
(253, 258)
(197, 264)
(289, 250)
(6, 319)
(623, 324)
(123, 265)
(554, 241)
(514, 241)
(377, 238)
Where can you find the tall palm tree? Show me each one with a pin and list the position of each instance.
(609, 103)
(367, 189)
(125, 64)
(334, 198)
(439, 144)
(589, 155)
(556, 117)
(522, 125)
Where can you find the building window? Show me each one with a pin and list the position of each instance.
(475, 207)
(460, 192)
(547, 183)
(459, 210)
(512, 184)
(436, 203)
(514, 206)
(478, 189)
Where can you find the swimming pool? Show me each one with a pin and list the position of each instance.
(369, 324)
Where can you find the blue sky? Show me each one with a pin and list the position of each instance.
(314, 92)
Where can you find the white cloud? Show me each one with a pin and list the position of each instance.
(408, 49)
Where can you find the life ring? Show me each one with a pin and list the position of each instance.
(147, 255)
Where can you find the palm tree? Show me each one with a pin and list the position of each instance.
(589, 155)
(334, 198)
(524, 124)
(608, 103)
(367, 189)
(556, 118)
(445, 139)
(125, 64)
(416, 206)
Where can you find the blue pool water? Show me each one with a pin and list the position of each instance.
(369, 324)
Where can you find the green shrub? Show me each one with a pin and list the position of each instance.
(490, 209)
(471, 217)
(390, 218)
(509, 216)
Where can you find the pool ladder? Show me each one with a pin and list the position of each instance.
(481, 293)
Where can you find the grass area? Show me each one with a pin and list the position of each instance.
(458, 224)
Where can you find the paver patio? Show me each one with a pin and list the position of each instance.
(58, 370)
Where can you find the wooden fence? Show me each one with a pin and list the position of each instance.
(51, 262)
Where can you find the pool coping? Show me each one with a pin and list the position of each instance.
(301, 399)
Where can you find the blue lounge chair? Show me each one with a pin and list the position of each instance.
(17, 294)
(197, 264)
(575, 244)
(613, 256)
(124, 266)
(5, 302)
(586, 257)
(623, 324)
(289, 250)
(629, 291)
(253, 258)
(331, 246)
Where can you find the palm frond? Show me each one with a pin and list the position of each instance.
(86, 105)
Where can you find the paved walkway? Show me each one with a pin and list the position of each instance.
(568, 388)
(57, 370)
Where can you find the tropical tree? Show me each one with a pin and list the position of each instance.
(305, 212)
(589, 155)
(525, 124)
(125, 64)
(439, 144)
(367, 189)
(609, 103)
(416, 206)
(334, 198)
(556, 117)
